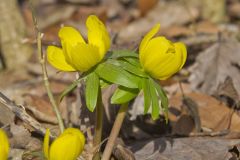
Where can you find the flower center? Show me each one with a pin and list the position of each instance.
(171, 49)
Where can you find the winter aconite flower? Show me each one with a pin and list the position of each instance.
(160, 57)
(68, 146)
(76, 54)
(4, 145)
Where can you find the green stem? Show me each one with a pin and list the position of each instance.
(42, 61)
(115, 131)
(98, 125)
(46, 82)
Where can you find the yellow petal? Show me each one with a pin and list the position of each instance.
(154, 53)
(174, 63)
(46, 144)
(64, 148)
(148, 37)
(163, 58)
(78, 133)
(67, 146)
(56, 58)
(69, 37)
(182, 49)
(84, 56)
(98, 35)
(4, 145)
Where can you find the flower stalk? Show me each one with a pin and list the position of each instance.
(47, 85)
(98, 125)
(42, 61)
(115, 131)
(67, 146)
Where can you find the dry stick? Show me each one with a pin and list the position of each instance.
(98, 125)
(21, 113)
(115, 131)
(42, 61)
(46, 83)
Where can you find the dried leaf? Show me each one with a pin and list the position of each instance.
(182, 149)
(227, 89)
(214, 115)
(215, 64)
(172, 13)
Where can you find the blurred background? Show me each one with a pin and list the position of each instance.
(127, 20)
(204, 95)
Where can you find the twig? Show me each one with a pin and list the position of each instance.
(211, 134)
(42, 59)
(114, 132)
(20, 112)
(95, 150)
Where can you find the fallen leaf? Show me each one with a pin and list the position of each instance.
(145, 5)
(213, 114)
(182, 149)
(6, 116)
(39, 103)
(206, 27)
(227, 93)
(176, 31)
(215, 64)
(21, 137)
(172, 13)
(56, 11)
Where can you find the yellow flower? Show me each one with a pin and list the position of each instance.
(4, 145)
(76, 54)
(160, 57)
(68, 146)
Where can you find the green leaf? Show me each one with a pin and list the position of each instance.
(122, 53)
(92, 89)
(69, 89)
(155, 102)
(133, 61)
(147, 95)
(104, 83)
(129, 67)
(117, 75)
(163, 97)
(123, 95)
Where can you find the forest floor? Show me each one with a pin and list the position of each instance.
(204, 97)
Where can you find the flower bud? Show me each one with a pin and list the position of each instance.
(68, 146)
(160, 57)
